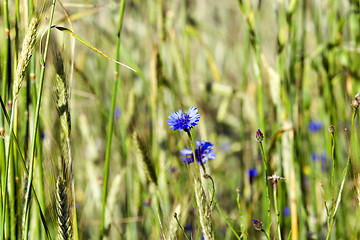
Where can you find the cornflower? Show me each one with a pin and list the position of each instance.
(184, 121)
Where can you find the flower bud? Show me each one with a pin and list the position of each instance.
(259, 136)
(258, 225)
(355, 103)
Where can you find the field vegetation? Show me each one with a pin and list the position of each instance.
(104, 105)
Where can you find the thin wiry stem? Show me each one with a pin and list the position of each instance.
(110, 125)
(227, 222)
(181, 227)
(6, 75)
(265, 184)
(334, 210)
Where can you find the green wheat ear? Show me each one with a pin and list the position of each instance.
(150, 168)
(62, 97)
(63, 211)
(25, 56)
(204, 210)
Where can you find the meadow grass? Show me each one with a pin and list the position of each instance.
(90, 90)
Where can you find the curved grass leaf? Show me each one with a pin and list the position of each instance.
(89, 45)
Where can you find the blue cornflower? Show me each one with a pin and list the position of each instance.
(117, 112)
(253, 172)
(315, 126)
(286, 211)
(203, 149)
(314, 157)
(184, 121)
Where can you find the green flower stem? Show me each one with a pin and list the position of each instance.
(193, 147)
(276, 210)
(267, 205)
(240, 214)
(181, 227)
(333, 214)
(227, 222)
(267, 236)
(110, 126)
(333, 173)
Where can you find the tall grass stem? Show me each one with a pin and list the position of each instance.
(110, 124)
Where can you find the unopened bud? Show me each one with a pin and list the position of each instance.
(259, 136)
(258, 225)
(331, 129)
(355, 103)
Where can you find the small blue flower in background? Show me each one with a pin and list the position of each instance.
(203, 149)
(314, 157)
(286, 211)
(253, 172)
(184, 121)
(225, 147)
(188, 227)
(315, 126)
(42, 136)
(117, 112)
(323, 157)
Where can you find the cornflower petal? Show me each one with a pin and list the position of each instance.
(184, 121)
(203, 150)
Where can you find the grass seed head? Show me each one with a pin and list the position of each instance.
(25, 56)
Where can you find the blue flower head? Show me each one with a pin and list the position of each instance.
(286, 211)
(323, 157)
(253, 172)
(184, 121)
(314, 157)
(315, 126)
(203, 149)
